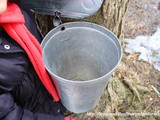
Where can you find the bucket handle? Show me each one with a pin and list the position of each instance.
(57, 19)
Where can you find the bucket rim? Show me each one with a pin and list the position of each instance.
(43, 45)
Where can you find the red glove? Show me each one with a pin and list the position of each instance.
(68, 118)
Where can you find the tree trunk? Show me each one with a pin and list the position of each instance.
(111, 15)
(114, 14)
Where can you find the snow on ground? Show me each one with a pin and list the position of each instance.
(147, 46)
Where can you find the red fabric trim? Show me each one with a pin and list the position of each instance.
(13, 23)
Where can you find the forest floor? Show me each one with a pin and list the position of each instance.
(135, 85)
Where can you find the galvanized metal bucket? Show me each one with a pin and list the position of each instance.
(81, 56)
(67, 8)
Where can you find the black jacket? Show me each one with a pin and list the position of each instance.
(22, 95)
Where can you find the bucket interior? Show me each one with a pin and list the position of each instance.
(80, 54)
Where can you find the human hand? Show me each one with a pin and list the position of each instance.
(69, 118)
(3, 6)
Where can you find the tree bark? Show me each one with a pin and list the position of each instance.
(114, 13)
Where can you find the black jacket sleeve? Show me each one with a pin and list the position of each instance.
(11, 67)
(9, 110)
